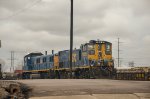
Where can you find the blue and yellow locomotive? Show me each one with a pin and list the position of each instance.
(92, 60)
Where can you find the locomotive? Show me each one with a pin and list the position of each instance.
(91, 60)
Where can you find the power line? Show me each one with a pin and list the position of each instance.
(22, 10)
(118, 53)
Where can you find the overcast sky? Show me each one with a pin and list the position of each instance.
(39, 25)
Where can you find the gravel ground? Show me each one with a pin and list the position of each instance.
(67, 87)
(99, 96)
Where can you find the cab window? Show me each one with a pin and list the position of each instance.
(99, 46)
(108, 48)
(38, 60)
(51, 59)
(80, 55)
(44, 59)
(84, 48)
(25, 59)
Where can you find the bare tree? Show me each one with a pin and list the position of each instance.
(131, 64)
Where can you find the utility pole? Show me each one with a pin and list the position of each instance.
(12, 61)
(0, 71)
(71, 36)
(0, 44)
(0, 65)
(118, 52)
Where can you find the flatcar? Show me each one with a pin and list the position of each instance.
(134, 73)
(91, 60)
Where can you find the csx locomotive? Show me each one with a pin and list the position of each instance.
(91, 60)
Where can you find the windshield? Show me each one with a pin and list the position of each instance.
(84, 47)
(90, 47)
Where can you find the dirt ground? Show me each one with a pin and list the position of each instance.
(67, 87)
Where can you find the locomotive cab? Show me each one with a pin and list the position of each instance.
(97, 53)
(28, 64)
(88, 54)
